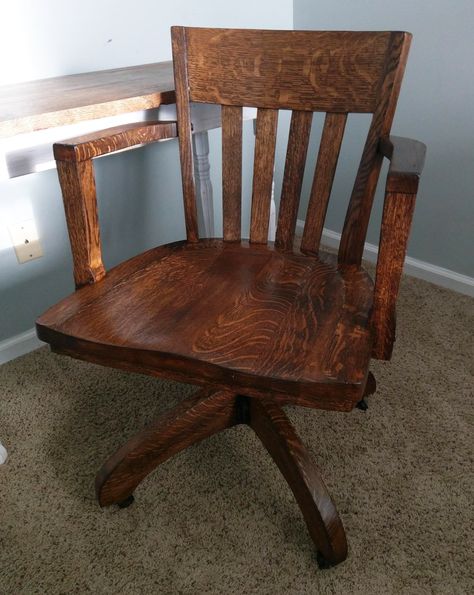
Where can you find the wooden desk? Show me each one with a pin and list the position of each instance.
(64, 100)
(35, 114)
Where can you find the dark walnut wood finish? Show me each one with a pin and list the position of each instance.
(257, 325)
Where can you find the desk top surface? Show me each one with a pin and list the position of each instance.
(58, 101)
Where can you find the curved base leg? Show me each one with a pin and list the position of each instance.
(192, 420)
(280, 439)
(207, 413)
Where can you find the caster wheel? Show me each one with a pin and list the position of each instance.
(362, 405)
(322, 562)
(127, 502)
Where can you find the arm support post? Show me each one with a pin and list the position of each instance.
(406, 163)
(76, 177)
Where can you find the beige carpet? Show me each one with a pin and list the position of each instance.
(218, 518)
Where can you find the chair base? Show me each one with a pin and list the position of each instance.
(208, 412)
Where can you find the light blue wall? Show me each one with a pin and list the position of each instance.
(435, 106)
(140, 191)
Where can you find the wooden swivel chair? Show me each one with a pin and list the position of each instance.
(256, 324)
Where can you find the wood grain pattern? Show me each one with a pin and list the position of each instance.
(358, 213)
(178, 39)
(336, 71)
(256, 324)
(227, 313)
(280, 439)
(80, 205)
(396, 223)
(193, 419)
(47, 103)
(232, 172)
(113, 139)
(206, 413)
(265, 143)
(329, 148)
(298, 139)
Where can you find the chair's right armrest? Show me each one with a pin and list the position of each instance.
(407, 158)
(113, 139)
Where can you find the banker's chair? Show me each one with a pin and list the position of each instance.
(256, 324)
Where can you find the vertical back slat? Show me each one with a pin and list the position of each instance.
(329, 148)
(300, 129)
(265, 142)
(358, 213)
(184, 132)
(231, 172)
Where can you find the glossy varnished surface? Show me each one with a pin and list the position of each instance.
(257, 325)
(285, 319)
(308, 70)
(209, 412)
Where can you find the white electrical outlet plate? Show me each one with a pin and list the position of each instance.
(3, 454)
(25, 240)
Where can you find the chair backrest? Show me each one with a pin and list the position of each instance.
(336, 72)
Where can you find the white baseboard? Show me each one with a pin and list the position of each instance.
(19, 345)
(413, 266)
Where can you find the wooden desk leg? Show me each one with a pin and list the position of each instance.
(205, 413)
(202, 169)
(272, 223)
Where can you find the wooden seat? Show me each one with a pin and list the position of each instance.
(255, 324)
(223, 308)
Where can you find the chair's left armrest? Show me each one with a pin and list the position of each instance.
(406, 163)
(102, 142)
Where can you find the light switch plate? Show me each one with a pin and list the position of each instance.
(25, 240)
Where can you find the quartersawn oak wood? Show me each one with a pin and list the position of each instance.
(265, 144)
(206, 413)
(52, 102)
(232, 172)
(357, 217)
(407, 158)
(300, 70)
(396, 223)
(113, 139)
(224, 313)
(331, 139)
(80, 205)
(192, 420)
(298, 141)
(76, 177)
(183, 111)
(256, 325)
(280, 439)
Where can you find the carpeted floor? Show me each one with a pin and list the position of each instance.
(218, 518)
